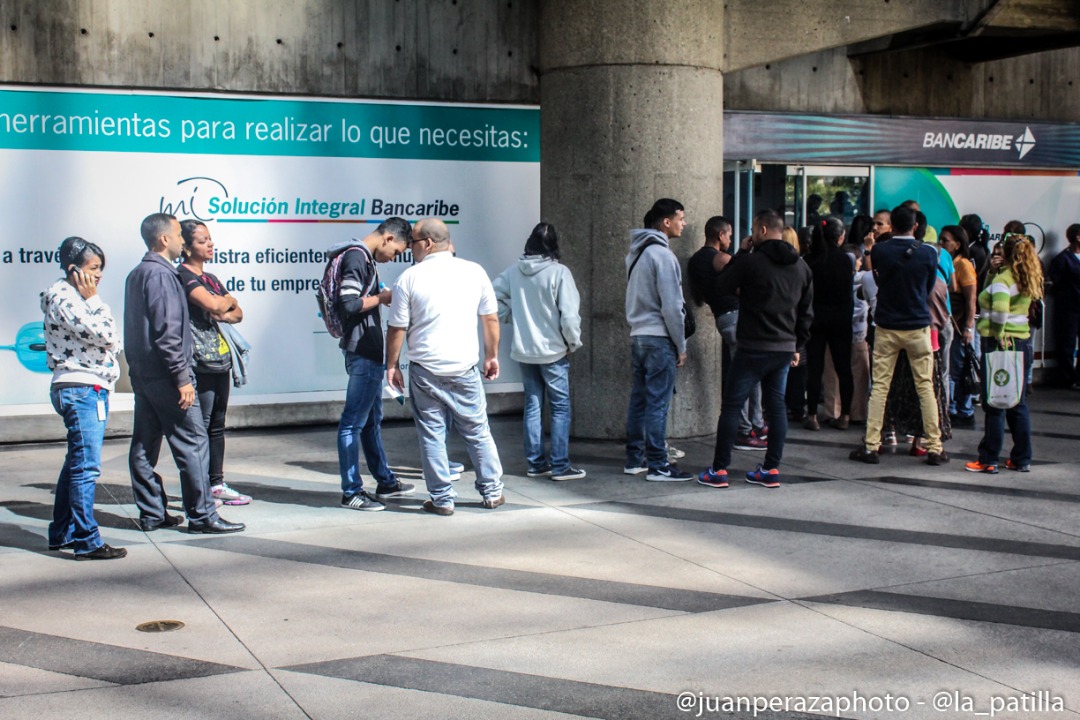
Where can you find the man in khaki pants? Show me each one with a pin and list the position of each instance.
(906, 271)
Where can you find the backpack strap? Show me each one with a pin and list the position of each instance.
(640, 253)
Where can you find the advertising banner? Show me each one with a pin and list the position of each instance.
(276, 180)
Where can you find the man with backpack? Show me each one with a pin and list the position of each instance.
(352, 295)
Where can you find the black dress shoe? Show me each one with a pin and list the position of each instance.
(105, 552)
(150, 524)
(218, 527)
(65, 546)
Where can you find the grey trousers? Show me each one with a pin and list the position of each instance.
(157, 414)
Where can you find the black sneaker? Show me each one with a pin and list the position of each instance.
(105, 552)
(397, 490)
(539, 471)
(861, 454)
(570, 473)
(362, 501)
(668, 473)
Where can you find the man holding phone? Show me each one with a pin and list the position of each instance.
(157, 338)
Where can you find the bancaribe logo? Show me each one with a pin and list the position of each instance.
(1025, 142)
(192, 196)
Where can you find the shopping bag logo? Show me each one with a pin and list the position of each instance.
(1001, 378)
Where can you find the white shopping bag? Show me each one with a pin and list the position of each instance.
(1004, 378)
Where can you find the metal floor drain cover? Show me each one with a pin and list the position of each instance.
(160, 626)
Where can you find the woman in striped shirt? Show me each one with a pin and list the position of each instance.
(1014, 281)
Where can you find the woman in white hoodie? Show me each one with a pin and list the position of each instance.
(81, 342)
(537, 295)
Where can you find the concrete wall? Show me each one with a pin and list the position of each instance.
(914, 82)
(458, 50)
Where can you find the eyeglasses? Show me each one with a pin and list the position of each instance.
(419, 239)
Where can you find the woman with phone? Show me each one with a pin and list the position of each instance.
(209, 304)
(81, 344)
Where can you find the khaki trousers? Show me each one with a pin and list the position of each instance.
(887, 347)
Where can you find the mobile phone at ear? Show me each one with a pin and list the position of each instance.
(72, 269)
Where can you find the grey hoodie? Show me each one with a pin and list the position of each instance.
(654, 298)
(538, 295)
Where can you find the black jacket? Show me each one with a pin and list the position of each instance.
(776, 294)
(363, 329)
(157, 337)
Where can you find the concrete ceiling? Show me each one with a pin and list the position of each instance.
(971, 31)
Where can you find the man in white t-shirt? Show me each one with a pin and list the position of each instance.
(435, 306)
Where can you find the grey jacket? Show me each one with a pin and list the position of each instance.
(157, 337)
(538, 296)
(654, 298)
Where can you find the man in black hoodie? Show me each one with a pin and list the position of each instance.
(775, 291)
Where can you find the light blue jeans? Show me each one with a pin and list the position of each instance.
(439, 401)
(73, 511)
(653, 361)
(552, 379)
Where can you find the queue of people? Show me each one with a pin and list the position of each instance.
(816, 304)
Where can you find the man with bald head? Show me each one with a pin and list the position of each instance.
(435, 306)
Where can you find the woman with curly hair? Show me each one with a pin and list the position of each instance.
(1015, 280)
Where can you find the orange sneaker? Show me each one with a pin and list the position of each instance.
(976, 466)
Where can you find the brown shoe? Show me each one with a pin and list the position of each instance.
(438, 509)
(840, 423)
(937, 458)
(493, 502)
(811, 423)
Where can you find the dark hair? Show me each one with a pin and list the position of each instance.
(75, 251)
(543, 241)
(771, 219)
(977, 234)
(826, 233)
(154, 226)
(398, 227)
(1014, 226)
(961, 237)
(1072, 232)
(805, 233)
(662, 208)
(861, 225)
(187, 231)
(920, 229)
(903, 219)
(716, 225)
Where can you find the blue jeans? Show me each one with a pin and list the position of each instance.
(750, 417)
(438, 402)
(961, 405)
(360, 424)
(73, 512)
(552, 379)
(1018, 418)
(750, 367)
(653, 361)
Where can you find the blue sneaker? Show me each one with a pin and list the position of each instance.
(763, 477)
(713, 478)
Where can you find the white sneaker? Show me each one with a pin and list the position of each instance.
(674, 453)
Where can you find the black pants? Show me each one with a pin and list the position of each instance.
(213, 389)
(1066, 333)
(157, 414)
(837, 338)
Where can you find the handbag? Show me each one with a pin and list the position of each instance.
(1004, 378)
(971, 372)
(209, 348)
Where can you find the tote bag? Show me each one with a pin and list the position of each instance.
(1004, 378)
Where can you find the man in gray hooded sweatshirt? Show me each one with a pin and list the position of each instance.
(654, 309)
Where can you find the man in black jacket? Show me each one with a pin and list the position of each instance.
(158, 346)
(775, 291)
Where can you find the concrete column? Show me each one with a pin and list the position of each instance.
(631, 110)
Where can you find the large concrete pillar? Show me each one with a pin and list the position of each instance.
(631, 110)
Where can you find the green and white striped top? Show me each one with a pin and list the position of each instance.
(1003, 310)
